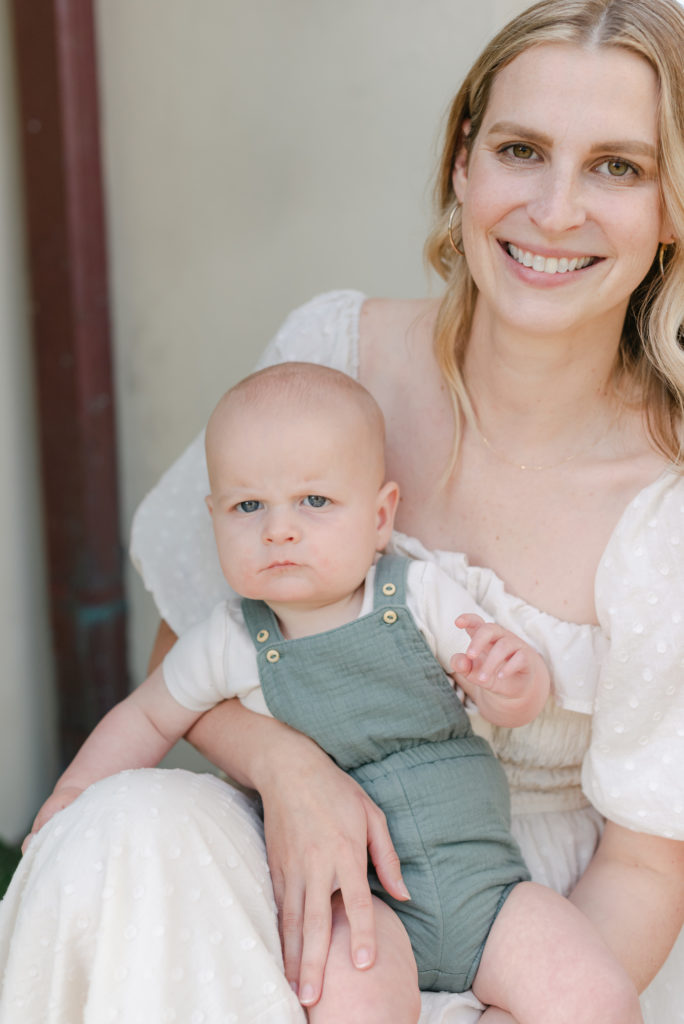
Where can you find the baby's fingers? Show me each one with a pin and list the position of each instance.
(42, 818)
(499, 662)
(460, 665)
(35, 829)
(470, 622)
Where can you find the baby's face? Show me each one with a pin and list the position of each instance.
(297, 506)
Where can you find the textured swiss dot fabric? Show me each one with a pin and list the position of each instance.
(147, 901)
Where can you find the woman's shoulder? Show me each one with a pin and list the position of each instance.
(323, 330)
(649, 537)
(340, 328)
(383, 320)
(394, 337)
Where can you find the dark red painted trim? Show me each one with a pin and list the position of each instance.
(66, 240)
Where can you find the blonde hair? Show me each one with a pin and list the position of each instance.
(651, 352)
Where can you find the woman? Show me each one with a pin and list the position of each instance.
(534, 424)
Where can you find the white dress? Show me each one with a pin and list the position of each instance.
(149, 898)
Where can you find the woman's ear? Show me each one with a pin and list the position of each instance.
(459, 174)
(387, 501)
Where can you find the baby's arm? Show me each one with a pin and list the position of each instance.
(136, 733)
(507, 679)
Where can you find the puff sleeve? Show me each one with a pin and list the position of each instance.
(172, 545)
(634, 769)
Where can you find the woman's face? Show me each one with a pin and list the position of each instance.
(561, 209)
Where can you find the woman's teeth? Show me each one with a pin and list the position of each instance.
(547, 264)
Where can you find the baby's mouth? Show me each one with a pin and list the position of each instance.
(548, 264)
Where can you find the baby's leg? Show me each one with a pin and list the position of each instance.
(546, 964)
(387, 993)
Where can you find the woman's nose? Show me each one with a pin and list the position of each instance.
(557, 204)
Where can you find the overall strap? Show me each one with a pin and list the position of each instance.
(261, 622)
(390, 581)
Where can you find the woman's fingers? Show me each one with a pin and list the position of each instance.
(352, 883)
(319, 831)
(290, 923)
(358, 905)
(383, 855)
(315, 939)
(305, 904)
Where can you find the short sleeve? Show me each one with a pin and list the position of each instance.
(634, 768)
(193, 668)
(213, 661)
(172, 544)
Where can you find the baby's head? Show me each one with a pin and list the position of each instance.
(298, 498)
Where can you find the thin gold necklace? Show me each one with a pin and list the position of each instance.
(550, 465)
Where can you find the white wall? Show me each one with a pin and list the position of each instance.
(27, 706)
(258, 153)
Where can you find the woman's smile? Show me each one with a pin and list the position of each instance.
(547, 264)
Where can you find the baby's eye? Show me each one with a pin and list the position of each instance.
(316, 501)
(617, 168)
(250, 505)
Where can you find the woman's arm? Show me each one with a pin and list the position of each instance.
(319, 825)
(633, 892)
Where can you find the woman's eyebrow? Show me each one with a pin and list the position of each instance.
(513, 128)
(636, 146)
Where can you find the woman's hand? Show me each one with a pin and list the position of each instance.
(320, 826)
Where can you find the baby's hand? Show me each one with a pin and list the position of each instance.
(60, 799)
(496, 660)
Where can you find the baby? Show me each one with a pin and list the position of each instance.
(354, 650)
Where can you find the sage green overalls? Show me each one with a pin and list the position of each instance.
(372, 694)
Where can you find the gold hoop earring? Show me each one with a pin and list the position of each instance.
(661, 257)
(661, 250)
(450, 229)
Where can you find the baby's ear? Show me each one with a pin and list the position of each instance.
(210, 504)
(388, 499)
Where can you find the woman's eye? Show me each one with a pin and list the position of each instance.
(316, 500)
(251, 505)
(617, 168)
(520, 150)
